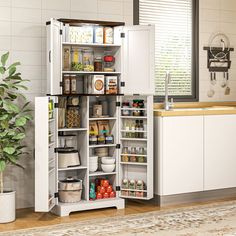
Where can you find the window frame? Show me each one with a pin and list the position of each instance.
(195, 52)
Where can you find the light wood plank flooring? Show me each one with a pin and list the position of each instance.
(27, 218)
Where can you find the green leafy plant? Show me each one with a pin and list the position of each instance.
(14, 115)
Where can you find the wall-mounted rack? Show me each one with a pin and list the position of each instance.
(221, 63)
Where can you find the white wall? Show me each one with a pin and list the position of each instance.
(216, 16)
(22, 32)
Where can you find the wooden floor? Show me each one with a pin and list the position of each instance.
(27, 218)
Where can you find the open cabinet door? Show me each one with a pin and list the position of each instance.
(45, 156)
(54, 50)
(138, 60)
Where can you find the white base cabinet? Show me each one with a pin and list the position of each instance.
(194, 154)
(219, 152)
(180, 149)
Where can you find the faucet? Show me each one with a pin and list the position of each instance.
(168, 105)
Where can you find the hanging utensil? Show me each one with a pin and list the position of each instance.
(223, 84)
(227, 89)
(211, 91)
(213, 78)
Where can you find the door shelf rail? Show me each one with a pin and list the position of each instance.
(134, 163)
(134, 117)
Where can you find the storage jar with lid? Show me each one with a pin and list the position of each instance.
(98, 64)
(125, 112)
(76, 59)
(73, 117)
(88, 61)
(66, 84)
(109, 62)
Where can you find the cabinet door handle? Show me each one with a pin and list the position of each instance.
(49, 56)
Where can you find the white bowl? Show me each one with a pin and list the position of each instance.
(107, 168)
(108, 160)
(94, 158)
(93, 168)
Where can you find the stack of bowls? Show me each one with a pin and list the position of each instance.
(93, 163)
(108, 164)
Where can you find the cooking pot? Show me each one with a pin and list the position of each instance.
(68, 157)
(70, 184)
(70, 190)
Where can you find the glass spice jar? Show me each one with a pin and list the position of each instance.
(93, 140)
(109, 139)
(101, 139)
(141, 159)
(132, 159)
(125, 158)
(125, 112)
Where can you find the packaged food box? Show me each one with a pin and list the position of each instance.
(94, 84)
(111, 85)
(87, 34)
(75, 34)
(98, 34)
(108, 35)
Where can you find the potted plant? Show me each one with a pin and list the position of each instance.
(14, 116)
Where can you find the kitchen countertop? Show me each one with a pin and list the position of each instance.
(196, 109)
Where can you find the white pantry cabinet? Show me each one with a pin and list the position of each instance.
(47, 131)
(219, 152)
(180, 154)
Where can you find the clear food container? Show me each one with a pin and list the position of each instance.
(109, 62)
(88, 59)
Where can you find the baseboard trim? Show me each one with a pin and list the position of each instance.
(195, 197)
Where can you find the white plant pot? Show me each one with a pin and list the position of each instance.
(7, 207)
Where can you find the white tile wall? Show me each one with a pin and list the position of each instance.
(216, 16)
(22, 32)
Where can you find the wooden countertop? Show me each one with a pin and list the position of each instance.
(196, 109)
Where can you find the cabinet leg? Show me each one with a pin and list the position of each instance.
(120, 205)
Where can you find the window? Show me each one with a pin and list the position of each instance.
(176, 44)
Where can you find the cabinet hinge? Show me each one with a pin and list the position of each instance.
(117, 146)
(60, 84)
(60, 31)
(56, 195)
(122, 84)
(55, 150)
(117, 188)
(56, 105)
(122, 35)
(118, 104)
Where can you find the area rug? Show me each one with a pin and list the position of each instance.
(212, 219)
